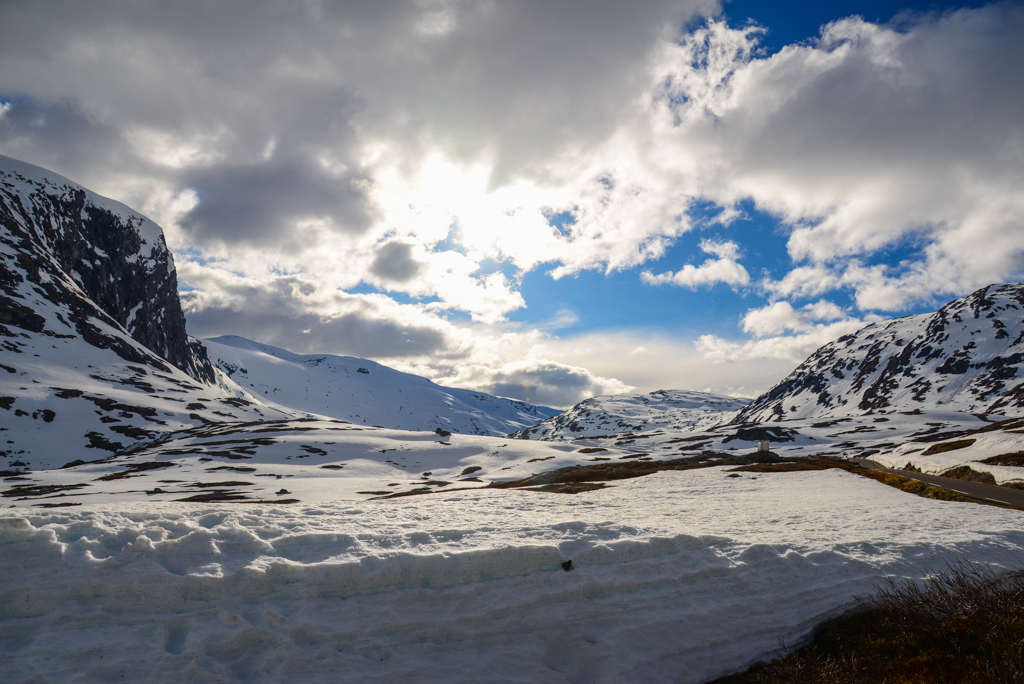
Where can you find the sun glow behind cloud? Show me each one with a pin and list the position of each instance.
(422, 176)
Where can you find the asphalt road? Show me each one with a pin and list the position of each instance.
(979, 490)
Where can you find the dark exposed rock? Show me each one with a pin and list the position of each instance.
(106, 267)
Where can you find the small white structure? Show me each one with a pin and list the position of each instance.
(762, 446)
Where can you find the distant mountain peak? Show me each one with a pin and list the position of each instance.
(967, 356)
(614, 414)
(366, 392)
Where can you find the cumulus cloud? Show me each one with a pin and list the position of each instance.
(783, 332)
(295, 153)
(865, 139)
(725, 269)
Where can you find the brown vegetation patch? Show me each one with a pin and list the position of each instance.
(222, 496)
(948, 446)
(964, 625)
(135, 469)
(40, 490)
(953, 434)
(795, 465)
(571, 488)
(965, 472)
(239, 469)
(1015, 458)
(590, 450)
(604, 472)
(902, 483)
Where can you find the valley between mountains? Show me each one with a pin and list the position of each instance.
(234, 511)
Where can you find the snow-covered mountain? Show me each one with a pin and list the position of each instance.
(965, 357)
(95, 260)
(615, 414)
(94, 358)
(365, 392)
(93, 350)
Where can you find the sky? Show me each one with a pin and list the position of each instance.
(547, 201)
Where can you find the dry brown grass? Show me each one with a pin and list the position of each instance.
(948, 446)
(963, 626)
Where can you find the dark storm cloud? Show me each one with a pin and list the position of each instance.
(394, 261)
(547, 384)
(61, 135)
(290, 313)
(252, 203)
(313, 81)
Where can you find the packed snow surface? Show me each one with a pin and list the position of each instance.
(676, 577)
(365, 392)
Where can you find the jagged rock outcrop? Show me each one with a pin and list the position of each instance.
(94, 258)
(967, 356)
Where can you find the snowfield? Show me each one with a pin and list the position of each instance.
(676, 577)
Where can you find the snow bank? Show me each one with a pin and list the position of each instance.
(698, 575)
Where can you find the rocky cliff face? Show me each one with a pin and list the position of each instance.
(93, 352)
(968, 356)
(93, 258)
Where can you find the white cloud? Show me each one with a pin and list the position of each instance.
(793, 348)
(724, 269)
(781, 316)
(784, 332)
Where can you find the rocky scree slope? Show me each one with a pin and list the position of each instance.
(965, 357)
(616, 414)
(93, 350)
(365, 392)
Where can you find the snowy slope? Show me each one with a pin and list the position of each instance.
(93, 351)
(968, 356)
(366, 392)
(615, 414)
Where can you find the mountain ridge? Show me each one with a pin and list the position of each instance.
(366, 392)
(967, 356)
